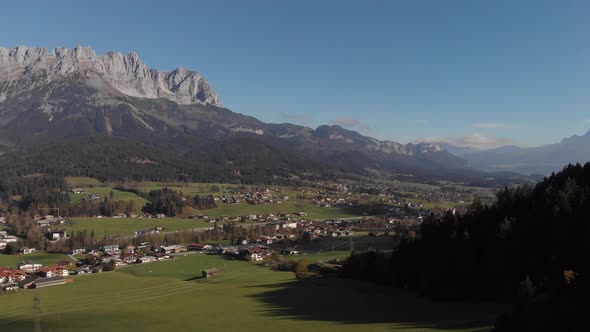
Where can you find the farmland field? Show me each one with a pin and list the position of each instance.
(126, 226)
(42, 258)
(124, 196)
(82, 181)
(313, 211)
(243, 297)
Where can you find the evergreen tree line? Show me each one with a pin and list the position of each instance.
(532, 243)
(171, 202)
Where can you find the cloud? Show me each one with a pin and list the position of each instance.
(351, 123)
(492, 125)
(297, 118)
(473, 140)
(587, 121)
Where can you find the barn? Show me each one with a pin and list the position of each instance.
(209, 273)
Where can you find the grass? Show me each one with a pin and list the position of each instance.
(243, 297)
(313, 211)
(43, 258)
(82, 181)
(138, 202)
(127, 226)
(323, 256)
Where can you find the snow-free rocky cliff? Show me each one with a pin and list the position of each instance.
(126, 74)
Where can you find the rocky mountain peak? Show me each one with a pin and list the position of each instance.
(126, 73)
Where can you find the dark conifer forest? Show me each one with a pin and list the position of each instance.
(530, 248)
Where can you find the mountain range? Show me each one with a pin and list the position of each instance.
(542, 160)
(69, 99)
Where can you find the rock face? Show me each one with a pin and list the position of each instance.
(27, 68)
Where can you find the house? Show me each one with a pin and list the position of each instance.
(111, 248)
(60, 270)
(8, 274)
(265, 240)
(43, 223)
(77, 190)
(290, 225)
(26, 250)
(9, 287)
(28, 266)
(84, 269)
(58, 234)
(94, 197)
(79, 251)
(209, 273)
(146, 259)
(173, 249)
(160, 256)
(128, 258)
(289, 251)
(199, 246)
(252, 254)
(54, 271)
(46, 273)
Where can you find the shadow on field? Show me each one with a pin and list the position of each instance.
(194, 278)
(354, 302)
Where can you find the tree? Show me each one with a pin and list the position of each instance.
(12, 248)
(301, 268)
(110, 266)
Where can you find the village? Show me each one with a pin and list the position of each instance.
(281, 233)
(282, 237)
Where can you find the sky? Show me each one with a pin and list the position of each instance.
(467, 72)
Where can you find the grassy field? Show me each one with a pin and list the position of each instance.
(82, 181)
(323, 256)
(243, 297)
(138, 202)
(127, 226)
(313, 211)
(43, 258)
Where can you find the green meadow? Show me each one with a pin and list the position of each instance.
(313, 211)
(127, 226)
(171, 296)
(40, 257)
(138, 202)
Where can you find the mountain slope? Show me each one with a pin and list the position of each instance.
(52, 99)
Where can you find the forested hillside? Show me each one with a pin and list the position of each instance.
(530, 247)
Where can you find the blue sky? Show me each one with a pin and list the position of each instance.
(472, 72)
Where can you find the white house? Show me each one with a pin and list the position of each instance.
(28, 266)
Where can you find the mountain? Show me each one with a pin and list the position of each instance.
(65, 98)
(26, 68)
(543, 159)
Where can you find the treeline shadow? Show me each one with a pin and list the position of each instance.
(354, 302)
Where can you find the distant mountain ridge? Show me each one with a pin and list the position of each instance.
(57, 97)
(542, 160)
